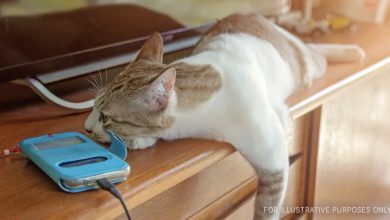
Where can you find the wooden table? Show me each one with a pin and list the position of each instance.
(195, 179)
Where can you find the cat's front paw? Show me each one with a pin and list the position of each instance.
(140, 143)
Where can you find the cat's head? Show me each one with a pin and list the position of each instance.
(134, 103)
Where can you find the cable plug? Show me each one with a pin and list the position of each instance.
(106, 185)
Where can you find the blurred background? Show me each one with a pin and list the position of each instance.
(183, 11)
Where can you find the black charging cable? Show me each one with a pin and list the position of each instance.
(105, 184)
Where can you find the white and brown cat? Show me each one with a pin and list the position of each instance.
(232, 88)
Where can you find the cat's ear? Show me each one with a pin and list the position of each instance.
(153, 49)
(158, 93)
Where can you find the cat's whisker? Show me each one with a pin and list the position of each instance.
(106, 77)
(92, 83)
(96, 82)
(92, 91)
(101, 79)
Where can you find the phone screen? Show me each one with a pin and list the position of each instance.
(61, 142)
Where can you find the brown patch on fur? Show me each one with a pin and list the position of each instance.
(195, 84)
(270, 191)
(257, 25)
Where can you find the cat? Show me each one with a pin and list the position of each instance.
(232, 88)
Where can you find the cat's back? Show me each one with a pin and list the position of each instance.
(247, 48)
(304, 63)
(259, 27)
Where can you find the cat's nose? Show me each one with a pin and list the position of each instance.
(87, 130)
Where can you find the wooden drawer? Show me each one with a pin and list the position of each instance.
(245, 211)
(215, 192)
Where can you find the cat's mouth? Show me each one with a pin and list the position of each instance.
(101, 139)
(104, 142)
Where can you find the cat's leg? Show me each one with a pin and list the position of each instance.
(139, 143)
(281, 111)
(271, 192)
(271, 165)
(263, 143)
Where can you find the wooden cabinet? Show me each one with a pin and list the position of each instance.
(340, 130)
(353, 166)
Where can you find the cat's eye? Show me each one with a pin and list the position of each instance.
(103, 118)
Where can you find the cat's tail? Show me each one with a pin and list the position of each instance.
(316, 56)
(322, 54)
(339, 53)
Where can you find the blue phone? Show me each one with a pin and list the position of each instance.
(74, 162)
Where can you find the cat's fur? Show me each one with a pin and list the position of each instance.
(232, 88)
